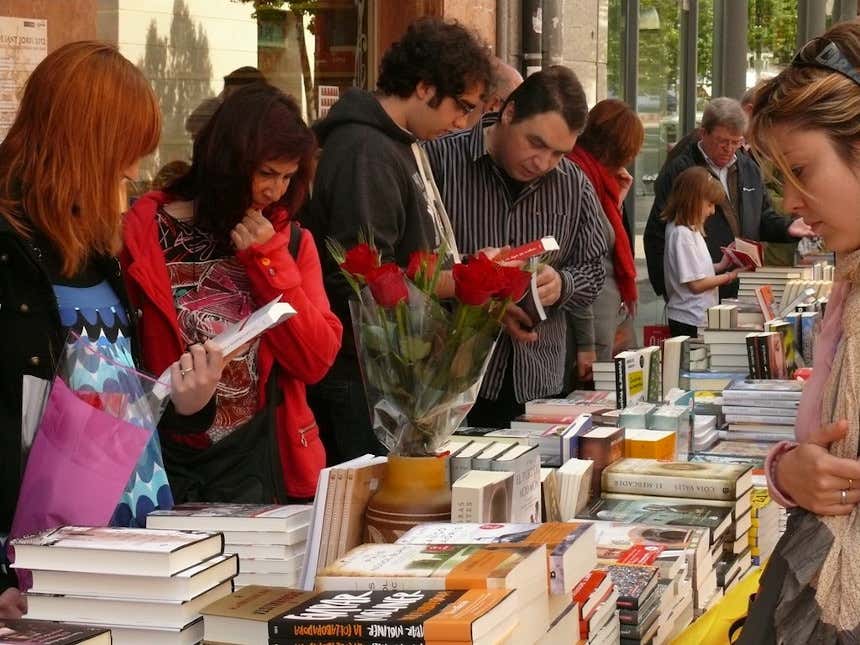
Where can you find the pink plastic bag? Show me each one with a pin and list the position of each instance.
(79, 464)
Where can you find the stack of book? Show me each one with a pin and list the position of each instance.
(597, 599)
(275, 615)
(725, 451)
(728, 349)
(406, 567)
(761, 410)
(604, 375)
(767, 525)
(777, 278)
(722, 485)
(269, 540)
(813, 289)
(503, 484)
(145, 585)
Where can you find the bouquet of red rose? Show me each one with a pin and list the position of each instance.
(422, 359)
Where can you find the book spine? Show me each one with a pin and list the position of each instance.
(306, 631)
(763, 356)
(620, 383)
(668, 486)
(752, 359)
(375, 583)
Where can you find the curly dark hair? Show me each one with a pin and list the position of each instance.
(258, 123)
(440, 53)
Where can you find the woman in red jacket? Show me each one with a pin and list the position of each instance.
(213, 247)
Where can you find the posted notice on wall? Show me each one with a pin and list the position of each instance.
(23, 45)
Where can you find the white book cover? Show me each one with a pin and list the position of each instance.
(466, 533)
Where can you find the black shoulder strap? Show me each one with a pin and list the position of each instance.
(295, 239)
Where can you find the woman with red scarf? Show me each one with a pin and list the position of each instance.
(611, 140)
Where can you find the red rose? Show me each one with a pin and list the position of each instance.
(513, 283)
(388, 285)
(476, 281)
(360, 260)
(423, 261)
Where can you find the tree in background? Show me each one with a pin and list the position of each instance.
(179, 70)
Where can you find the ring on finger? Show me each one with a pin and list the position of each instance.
(186, 371)
(844, 495)
(850, 483)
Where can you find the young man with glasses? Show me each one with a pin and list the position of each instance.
(368, 181)
(746, 210)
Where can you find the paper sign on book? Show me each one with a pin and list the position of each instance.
(239, 334)
(530, 250)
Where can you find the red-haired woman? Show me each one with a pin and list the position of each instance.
(86, 118)
(217, 244)
(611, 140)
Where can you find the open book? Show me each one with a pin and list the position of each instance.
(745, 254)
(238, 334)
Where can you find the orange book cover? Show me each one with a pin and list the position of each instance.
(455, 622)
(482, 567)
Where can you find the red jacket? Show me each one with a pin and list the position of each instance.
(304, 346)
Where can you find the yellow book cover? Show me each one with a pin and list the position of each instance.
(649, 444)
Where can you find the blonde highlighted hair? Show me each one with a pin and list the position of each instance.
(808, 96)
(87, 115)
(691, 190)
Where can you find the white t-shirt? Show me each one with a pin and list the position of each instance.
(686, 258)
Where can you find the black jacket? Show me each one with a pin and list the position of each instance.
(367, 180)
(758, 219)
(33, 339)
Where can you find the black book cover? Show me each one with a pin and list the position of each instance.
(377, 616)
(41, 631)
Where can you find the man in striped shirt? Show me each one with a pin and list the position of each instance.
(506, 182)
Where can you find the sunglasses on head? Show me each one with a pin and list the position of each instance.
(830, 58)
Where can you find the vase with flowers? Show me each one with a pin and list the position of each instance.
(422, 361)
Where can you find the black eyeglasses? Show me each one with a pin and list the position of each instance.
(828, 58)
(465, 107)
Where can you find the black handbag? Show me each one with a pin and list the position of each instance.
(244, 467)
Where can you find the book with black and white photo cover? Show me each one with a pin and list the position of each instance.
(42, 632)
(524, 463)
(205, 516)
(678, 479)
(650, 511)
(153, 552)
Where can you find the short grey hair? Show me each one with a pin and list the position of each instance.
(726, 112)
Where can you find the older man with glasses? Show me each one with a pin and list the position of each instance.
(745, 212)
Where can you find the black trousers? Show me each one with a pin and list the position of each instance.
(683, 329)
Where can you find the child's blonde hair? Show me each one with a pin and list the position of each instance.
(690, 191)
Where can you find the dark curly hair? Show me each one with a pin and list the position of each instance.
(554, 89)
(258, 123)
(440, 53)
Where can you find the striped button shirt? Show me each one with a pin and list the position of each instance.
(561, 203)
